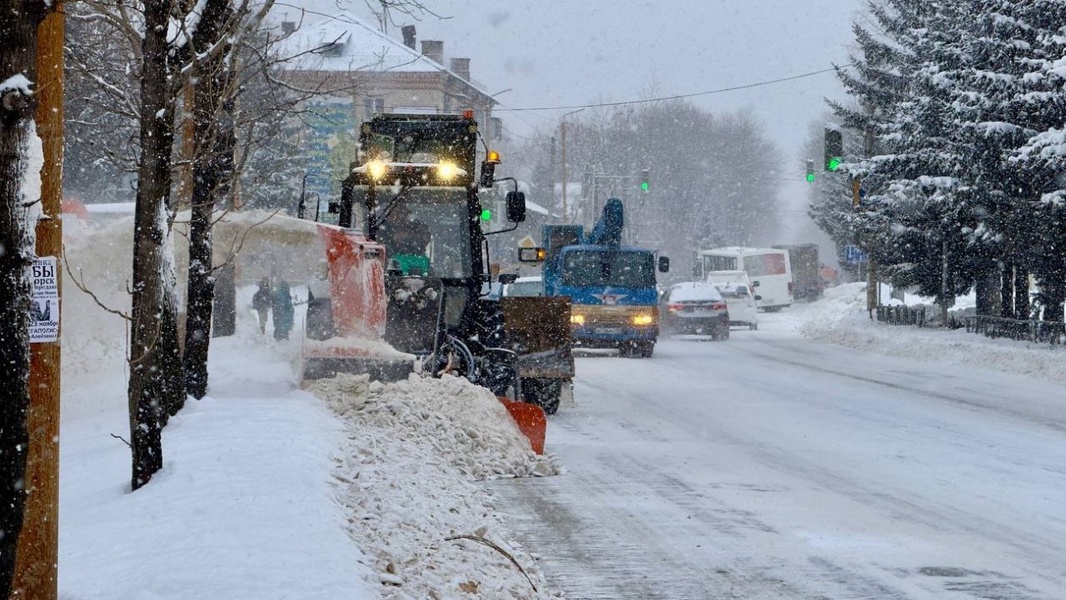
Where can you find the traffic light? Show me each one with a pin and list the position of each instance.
(644, 180)
(810, 171)
(834, 149)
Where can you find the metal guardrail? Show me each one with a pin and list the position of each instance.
(1050, 332)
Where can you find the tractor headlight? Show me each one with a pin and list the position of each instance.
(376, 169)
(447, 171)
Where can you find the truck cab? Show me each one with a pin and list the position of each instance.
(614, 299)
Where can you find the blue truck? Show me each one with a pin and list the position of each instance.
(614, 300)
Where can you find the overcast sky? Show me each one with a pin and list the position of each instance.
(550, 53)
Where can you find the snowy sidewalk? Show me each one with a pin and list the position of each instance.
(266, 493)
(242, 509)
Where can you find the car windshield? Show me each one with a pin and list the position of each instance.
(610, 268)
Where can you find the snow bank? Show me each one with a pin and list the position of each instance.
(841, 318)
(416, 450)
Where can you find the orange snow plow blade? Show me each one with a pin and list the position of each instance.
(530, 420)
(346, 333)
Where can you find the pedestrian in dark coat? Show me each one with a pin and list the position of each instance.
(261, 302)
(283, 311)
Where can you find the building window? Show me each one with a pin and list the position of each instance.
(373, 106)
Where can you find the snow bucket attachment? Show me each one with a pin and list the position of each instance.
(346, 319)
(531, 421)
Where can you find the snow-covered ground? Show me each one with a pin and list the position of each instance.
(346, 490)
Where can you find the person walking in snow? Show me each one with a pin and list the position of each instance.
(261, 302)
(283, 311)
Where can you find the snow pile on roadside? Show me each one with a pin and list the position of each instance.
(841, 317)
(408, 479)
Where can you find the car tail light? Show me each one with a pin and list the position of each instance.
(718, 306)
(674, 307)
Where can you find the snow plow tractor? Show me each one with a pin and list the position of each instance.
(408, 264)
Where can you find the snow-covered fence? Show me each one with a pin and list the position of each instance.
(1051, 332)
(902, 315)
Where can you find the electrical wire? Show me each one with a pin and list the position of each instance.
(679, 96)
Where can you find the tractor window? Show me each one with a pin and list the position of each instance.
(440, 218)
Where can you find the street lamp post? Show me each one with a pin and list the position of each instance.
(562, 143)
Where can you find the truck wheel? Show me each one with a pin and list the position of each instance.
(543, 392)
(645, 349)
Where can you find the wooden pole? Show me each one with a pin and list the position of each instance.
(38, 550)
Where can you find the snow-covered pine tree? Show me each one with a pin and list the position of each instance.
(915, 181)
(1040, 99)
(875, 83)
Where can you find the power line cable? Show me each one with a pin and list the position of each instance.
(678, 96)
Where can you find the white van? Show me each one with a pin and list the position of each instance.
(739, 295)
(769, 269)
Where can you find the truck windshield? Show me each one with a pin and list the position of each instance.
(436, 218)
(599, 268)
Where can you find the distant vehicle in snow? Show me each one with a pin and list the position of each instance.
(525, 286)
(739, 294)
(806, 278)
(695, 307)
(769, 269)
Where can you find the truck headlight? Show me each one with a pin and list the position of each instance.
(643, 319)
(577, 319)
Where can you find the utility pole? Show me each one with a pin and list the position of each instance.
(873, 291)
(38, 549)
(551, 207)
(562, 142)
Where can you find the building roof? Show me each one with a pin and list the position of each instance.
(345, 43)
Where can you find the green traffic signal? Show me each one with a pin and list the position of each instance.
(644, 186)
(644, 180)
(834, 149)
(810, 171)
(810, 177)
(486, 214)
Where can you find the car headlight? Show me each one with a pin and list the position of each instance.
(577, 319)
(643, 319)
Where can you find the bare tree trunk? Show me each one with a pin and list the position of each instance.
(1053, 294)
(213, 169)
(1006, 292)
(148, 385)
(18, 56)
(1021, 293)
(987, 289)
